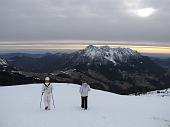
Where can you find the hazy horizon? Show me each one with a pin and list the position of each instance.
(73, 45)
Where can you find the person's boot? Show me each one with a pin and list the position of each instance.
(46, 107)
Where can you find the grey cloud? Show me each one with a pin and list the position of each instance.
(82, 20)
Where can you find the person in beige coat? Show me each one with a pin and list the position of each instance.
(47, 89)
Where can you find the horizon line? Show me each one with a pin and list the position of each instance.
(55, 46)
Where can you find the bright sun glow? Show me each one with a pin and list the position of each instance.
(145, 12)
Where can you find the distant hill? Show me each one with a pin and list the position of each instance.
(9, 75)
(165, 63)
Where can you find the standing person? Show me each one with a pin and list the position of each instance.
(84, 89)
(47, 89)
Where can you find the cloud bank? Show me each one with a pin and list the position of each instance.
(111, 20)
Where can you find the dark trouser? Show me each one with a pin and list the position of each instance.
(84, 102)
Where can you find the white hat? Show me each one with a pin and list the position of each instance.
(47, 78)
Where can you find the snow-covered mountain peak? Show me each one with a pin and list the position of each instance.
(126, 52)
(92, 51)
(112, 54)
(105, 48)
(3, 62)
(90, 47)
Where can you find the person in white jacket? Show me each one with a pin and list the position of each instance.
(47, 89)
(84, 89)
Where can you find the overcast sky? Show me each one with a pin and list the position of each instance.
(109, 20)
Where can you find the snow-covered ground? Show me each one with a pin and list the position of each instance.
(20, 107)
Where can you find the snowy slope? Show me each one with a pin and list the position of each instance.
(19, 107)
(111, 54)
(3, 62)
